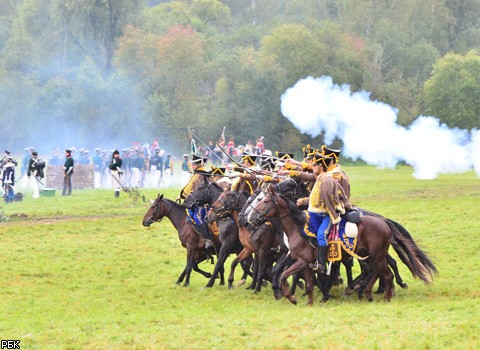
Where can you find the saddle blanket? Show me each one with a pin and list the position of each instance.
(336, 234)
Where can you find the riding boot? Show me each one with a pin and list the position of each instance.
(117, 193)
(205, 232)
(319, 265)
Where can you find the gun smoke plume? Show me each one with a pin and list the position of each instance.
(369, 130)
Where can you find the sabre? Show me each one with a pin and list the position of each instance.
(40, 182)
(193, 134)
(250, 171)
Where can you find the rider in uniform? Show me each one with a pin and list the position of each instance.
(246, 179)
(325, 204)
(197, 214)
(333, 167)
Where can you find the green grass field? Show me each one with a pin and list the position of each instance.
(81, 272)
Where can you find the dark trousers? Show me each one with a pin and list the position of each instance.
(67, 185)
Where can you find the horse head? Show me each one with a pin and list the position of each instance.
(156, 212)
(207, 192)
(228, 200)
(265, 208)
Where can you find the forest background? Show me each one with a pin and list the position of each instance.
(92, 73)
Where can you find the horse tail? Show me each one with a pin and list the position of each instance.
(411, 255)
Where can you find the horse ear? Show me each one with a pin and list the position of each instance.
(161, 197)
(271, 189)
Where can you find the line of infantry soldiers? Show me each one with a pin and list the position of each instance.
(140, 166)
(328, 184)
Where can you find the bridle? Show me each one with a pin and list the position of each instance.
(261, 215)
(227, 205)
(158, 206)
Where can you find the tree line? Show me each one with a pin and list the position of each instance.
(122, 70)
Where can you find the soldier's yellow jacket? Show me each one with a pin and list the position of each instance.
(195, 181)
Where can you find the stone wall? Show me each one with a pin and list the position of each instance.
(82, 178)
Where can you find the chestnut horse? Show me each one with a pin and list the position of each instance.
(191, 240)
(373, 241)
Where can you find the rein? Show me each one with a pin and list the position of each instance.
(226, 205)
(158, 206)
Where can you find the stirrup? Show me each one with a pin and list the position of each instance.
(315, 266)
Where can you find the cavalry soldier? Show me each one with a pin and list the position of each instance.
(67, 173)
(333, 167)
(196, 215)
(218, 176)
(246, 179)
(325, 204)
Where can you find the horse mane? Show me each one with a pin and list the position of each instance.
(297, 214)
(174, 203)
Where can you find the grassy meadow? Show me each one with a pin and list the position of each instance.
(81, 272)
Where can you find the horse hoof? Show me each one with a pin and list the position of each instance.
(230, 286)
(380, 291)
(404, 285)
(277, 294)
(186, 285)
(369, 298)
(241, 282)
(293, 300)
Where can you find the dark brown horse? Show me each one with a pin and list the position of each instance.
(208, 193)
(373, 241)
(191, 240)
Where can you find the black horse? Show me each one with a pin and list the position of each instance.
(206, 194)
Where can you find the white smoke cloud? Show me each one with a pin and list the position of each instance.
(369, 130)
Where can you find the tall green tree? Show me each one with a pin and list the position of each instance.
(452, 92)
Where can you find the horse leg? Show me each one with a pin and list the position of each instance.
(263, 262)
(245, 264)
(189, 267)
(348, 264)
(222, 257)
(295, 282)
(308, 274)
(245, 253)
(393, 264)
(381, 285)
(368, 288)
(181, 277)
(255, 272)
(200, 271)
(388, 278)
(278, 270)
(297, 266)
(324, 283)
